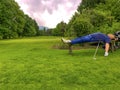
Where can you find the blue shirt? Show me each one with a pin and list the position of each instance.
(100, 37)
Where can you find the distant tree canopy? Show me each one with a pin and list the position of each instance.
(94, 16)
(13, 22)
(60, 29)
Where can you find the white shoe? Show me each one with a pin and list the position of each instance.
(106, 54)
(66, 41)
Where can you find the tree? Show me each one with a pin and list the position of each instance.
(88, 4)
(60, 29)
(13, 20)
(30, 27)
(116, 10)
(82, 27)
(95, 16)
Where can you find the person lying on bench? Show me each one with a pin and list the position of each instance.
(94, 37)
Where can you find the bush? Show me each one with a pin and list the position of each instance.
(82, 27)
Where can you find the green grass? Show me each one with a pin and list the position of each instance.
(33, 64)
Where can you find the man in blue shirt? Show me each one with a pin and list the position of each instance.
(95, 37)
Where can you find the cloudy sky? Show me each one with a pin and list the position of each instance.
(49, 12)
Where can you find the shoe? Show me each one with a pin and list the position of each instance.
(106, 54)
(66, 41)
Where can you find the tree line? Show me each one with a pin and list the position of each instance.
(91, 16)
(14, 23)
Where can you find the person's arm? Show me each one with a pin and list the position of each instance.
(107, 46)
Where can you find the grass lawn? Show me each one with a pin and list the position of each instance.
(32, 64)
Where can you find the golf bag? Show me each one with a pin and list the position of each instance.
(117, 35)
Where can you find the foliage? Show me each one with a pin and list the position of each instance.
(13, 21)
(88, 4)
(81, 27)
(69, 28)
(29, 28)
(60, 29)
(95, 16)
(91, 16)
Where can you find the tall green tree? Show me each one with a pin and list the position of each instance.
(60, 29)
(30, 28)
(95, 16)
(82, 27)
(11, 18)
(13, 22)
(88, 4)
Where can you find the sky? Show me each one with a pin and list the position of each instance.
(49, 12)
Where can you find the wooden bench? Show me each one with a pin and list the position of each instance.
(112, 47)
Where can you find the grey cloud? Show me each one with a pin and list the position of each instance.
(50, 5)
(39, 6)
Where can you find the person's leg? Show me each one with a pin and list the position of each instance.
(78, 40)
(66, 41)
(82, 39)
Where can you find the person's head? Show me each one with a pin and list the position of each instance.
(112, 37)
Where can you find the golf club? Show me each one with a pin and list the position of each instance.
(94, 57)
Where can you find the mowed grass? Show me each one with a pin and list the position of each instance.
(33, 64)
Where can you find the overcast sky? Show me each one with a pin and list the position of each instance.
(49, 12)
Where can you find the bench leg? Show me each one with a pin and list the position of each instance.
(112, 46)
(70, 48)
